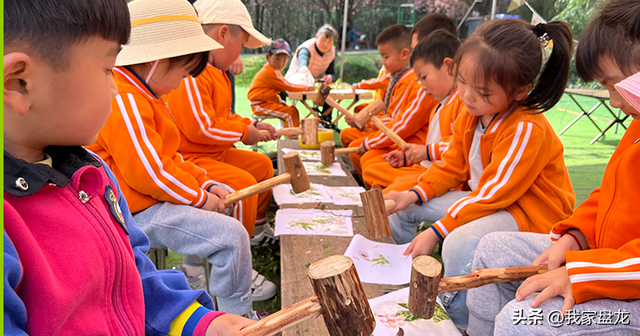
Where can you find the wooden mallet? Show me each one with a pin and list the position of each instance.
(375, 213)
(370, 115)
(308, 129)
(296, 175)
(339, 298)
(344, 111)
(323, 93)
(328, 152)
(364, 116)
(426, 282)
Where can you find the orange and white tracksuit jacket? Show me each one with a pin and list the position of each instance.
(267, 84)
(378, 84)
(140, 143)
(265, 99)
(409, 111)
(524, 173)
(210, 126)
(384, 175)
(609, 219)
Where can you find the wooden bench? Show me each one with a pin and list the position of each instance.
(297, 251)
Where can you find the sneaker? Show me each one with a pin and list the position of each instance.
(266, 235)
(195, 282)
(362, 36)
(357, 47)
(261, 288)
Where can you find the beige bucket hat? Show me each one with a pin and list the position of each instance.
(163, 29)
(231, 12)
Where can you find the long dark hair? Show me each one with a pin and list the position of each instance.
(509, 53)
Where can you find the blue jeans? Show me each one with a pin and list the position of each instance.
(200, 234)
(459, 246)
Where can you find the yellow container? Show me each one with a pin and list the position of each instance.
(323, 135)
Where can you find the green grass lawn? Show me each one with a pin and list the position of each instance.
(585, 163)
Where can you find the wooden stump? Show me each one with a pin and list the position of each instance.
(346, 309)
(423, 290)
(295, 168)
(375, 214)
(327, 153)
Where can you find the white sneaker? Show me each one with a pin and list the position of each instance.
(266, 235)
(195, 282)
(357, 47)
(362, 36)
(261, 288)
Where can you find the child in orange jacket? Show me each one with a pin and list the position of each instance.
(201, 109)
(423, 27)
(379, 84)
(504, 148)
(593, 255)
(431, 61)
(408, 106)
(176, 203)
(269, 82)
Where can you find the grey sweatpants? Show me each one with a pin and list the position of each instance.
(493, 309)
(200, 234)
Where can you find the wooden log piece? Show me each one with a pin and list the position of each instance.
(370, 110)
(394, 137)
(425, 279)
(296, 175)
(344, 111)
(309, 131)
(346, 309)
(375, 214)
(323, 92)
(327, 153)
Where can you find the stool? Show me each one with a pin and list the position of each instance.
(262, 118)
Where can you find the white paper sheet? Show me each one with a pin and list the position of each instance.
(380, 263)
(283, 194)
(318, 169)
(345, 195)
(314, 222)
(391, 313)
(305, 154)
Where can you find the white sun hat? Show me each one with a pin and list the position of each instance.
(231, 12)
(163, 29)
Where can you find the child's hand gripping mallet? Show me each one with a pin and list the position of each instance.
(308, 129)
(363, 117)
(370, 115)
(426, 282)
(339, 298)
(375, 213)
(295, 174)
(328, 152)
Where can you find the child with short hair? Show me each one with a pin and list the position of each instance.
(408, 105)
(431, 60)
(430, 23)
(593, 255)
(208, 130)
(74, 258)
(264, 92)
(502, 147)
(175, 202)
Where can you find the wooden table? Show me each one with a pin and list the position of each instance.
(601, 96)
(297, 251)
(338, 95)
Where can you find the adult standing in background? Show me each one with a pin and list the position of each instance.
(316, 55)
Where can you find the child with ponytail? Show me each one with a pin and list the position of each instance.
(503, 147)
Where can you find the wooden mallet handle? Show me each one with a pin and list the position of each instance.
(426, 283)
(340, 298)
(394, 137)
(296, 174)
(308, 129)
(375, 213)
(344, 111)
